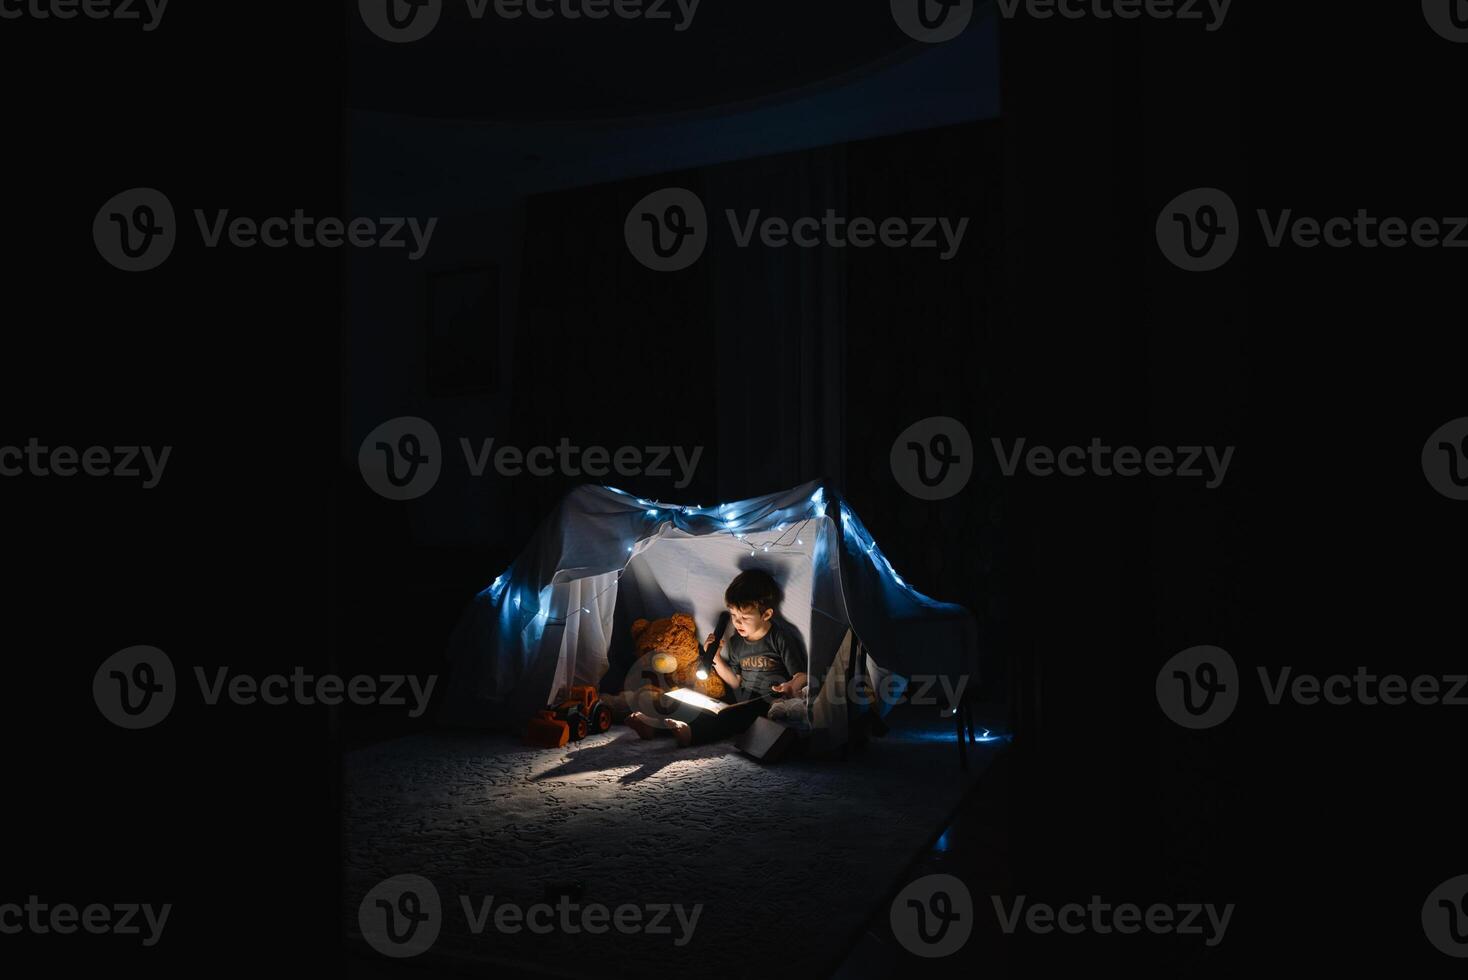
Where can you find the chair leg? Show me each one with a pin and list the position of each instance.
(962, 744)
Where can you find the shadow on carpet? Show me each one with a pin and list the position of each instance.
(756, 869)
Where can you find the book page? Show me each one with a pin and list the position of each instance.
(689, 696)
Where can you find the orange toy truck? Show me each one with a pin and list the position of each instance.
(578, 714)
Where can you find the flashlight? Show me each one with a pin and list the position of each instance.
(706, 657)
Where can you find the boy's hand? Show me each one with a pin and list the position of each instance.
(792, 686)
(712, 645)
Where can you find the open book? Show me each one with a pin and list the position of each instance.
(689, 696)
(711, 718)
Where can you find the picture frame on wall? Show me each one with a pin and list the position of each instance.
(463, 330)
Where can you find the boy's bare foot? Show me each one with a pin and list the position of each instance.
(639, 724)
(683, 732)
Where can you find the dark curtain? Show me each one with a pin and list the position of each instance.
(779, 318)
(922, 335)
(802, 362)
(742, 353)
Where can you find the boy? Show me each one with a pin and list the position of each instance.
(766, 660)
(765, 655)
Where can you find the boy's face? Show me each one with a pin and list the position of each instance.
(750, 622)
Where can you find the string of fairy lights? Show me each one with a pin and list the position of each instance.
(730, 525)
(737, 529)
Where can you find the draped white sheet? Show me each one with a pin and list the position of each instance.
(547, 621)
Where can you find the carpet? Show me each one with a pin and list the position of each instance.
(783, 864)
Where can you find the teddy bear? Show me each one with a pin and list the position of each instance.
(666, 657)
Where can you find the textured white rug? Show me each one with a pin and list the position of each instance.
(787, 862)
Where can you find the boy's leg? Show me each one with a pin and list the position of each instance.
(712, 727)
(700, 727)
(649, 726)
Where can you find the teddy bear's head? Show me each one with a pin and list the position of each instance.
(669, 648)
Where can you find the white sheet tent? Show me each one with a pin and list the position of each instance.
(605, 557)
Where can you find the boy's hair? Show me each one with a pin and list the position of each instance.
(752, 588)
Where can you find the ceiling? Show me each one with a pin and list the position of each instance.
(467, 131)
(727, 53)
